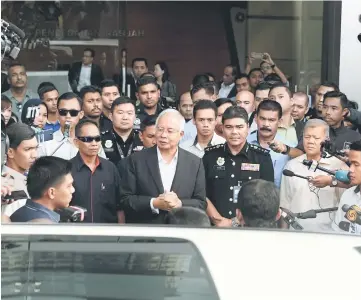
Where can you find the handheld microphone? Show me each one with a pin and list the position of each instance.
(353, 213)
(289, 173)
(67, 129)
(311, 214)
(341, 175)
(289, 218)
(72, 214)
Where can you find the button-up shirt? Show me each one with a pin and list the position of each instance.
(195, 148)
(279, 160)
(18, 182)
(190, 131)
(32, 211)
(288, 134)
(298, 195)
(225, 90)
(53, 126)
(61, 147)
(18, 106)
(84, 77)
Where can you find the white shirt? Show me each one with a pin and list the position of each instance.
(190, 131)
(193, 146)
(296, 195)
(350, 197)
(66, 149)
(84, 77)
(167, 173)
(225, 90)
(19, 184)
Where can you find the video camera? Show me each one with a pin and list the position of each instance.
(11, 37)
(327, 147)
(72, 214)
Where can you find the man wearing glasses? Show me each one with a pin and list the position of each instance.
(69, 110)
(96, 180)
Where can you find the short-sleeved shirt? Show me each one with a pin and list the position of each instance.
(17, 106)
(32, 211)
(192, 146)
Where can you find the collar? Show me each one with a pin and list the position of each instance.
(52, 214)
(322, 161)
(79, 163)
(223, 86)
(357, 190)
(119, 139)
(13, 173)
(140, 109)
(339, 129)
(293, 123)
(209, 143)
(86, 66)
(53, 124)
(161, 159)
(244, 150)
(26, 95)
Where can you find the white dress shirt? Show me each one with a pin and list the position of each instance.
(167, 173)
(19, 184)
(67, 150)
(190, 131)
(84, 77)
(225, 90)
(193, 146)
(296, 194)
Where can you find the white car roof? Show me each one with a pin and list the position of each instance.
(250, 264)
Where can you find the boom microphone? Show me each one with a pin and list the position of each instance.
(353, 213)
(289, 173)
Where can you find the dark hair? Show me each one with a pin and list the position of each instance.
(46, 89)
(331, 85)
(272, 79)
(147, 122)
(163, 66)
(139, 59)
(234, 70)
(262, 86)
(234, 112)
(190, 216)
(356, 146)
(45, 84)
(108, 83)
(19, 132)
(334, 94)
(83, 122)
(121, 100)
(16, 64)
(204, 104)
(277, 85)
(242, 75)
(352, 104)
(200, 79)
(89, 89)
(270, 105)
(5, 102)
(147, 74)
(209, 74)
(254, 70)
(28, 114)
(210, 88)
(146, 80)
(90, 50)
(46, 172)
(259, 202)
(221, 101)
(69, 96)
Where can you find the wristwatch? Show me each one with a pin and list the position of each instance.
(287, 150)
(334, 181)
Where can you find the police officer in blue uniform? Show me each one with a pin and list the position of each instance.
(230, 165)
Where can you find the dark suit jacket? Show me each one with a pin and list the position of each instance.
(118, 78)
(142, 181)
(96, 76)
(233, 91)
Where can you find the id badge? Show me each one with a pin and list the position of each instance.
(236, 190)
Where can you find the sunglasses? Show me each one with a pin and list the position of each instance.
(89, 139)
(72, 112)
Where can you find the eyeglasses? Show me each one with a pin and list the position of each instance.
(89, 139)
(72, 112)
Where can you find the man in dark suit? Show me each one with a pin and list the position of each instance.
(227, 88)
(163, 177)
(85, 72)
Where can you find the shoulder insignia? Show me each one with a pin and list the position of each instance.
(105, 132)
(259, 149)
(210, 148)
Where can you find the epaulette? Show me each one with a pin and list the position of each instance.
(210, 148)
(105, 132)
(259, 149)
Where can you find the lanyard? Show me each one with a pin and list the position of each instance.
(121, 153)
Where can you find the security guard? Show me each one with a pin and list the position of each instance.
(121, 140)
(229, 165)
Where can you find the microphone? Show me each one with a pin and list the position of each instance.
(341, 175)
(311, 214)
(353, 213)
(17, 30)
(67, 129)
(289, 173)
(345, 226)
(289, 218)
(72, 214)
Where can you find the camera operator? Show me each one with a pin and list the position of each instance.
(258, 204)
(351, 196)
(21, 155)
(299, 195)
(50, 186)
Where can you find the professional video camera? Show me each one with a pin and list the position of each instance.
(72, 214)
(11, 37)
(327, 147)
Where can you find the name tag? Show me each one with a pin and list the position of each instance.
(250, 167)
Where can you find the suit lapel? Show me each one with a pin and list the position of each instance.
(180, 171)
(153, 166)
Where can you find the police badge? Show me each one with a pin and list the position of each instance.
(137, 121)
(108, 144)
(220, 161)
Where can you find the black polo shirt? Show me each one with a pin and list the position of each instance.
(33, 210)
(96, 191)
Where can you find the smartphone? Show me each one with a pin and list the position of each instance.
(256, 55)
(16, 195)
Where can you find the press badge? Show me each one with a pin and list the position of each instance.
(236, 190)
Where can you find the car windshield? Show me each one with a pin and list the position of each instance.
(103, 268)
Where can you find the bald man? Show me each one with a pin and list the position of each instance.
(185, 106)
(246, 100)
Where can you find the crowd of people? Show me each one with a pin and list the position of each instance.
(235, 153)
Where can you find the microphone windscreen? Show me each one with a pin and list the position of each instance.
(288, 173)
(345, 208)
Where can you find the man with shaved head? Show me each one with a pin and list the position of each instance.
(245, 99)
(185, 106)
(163, 177)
